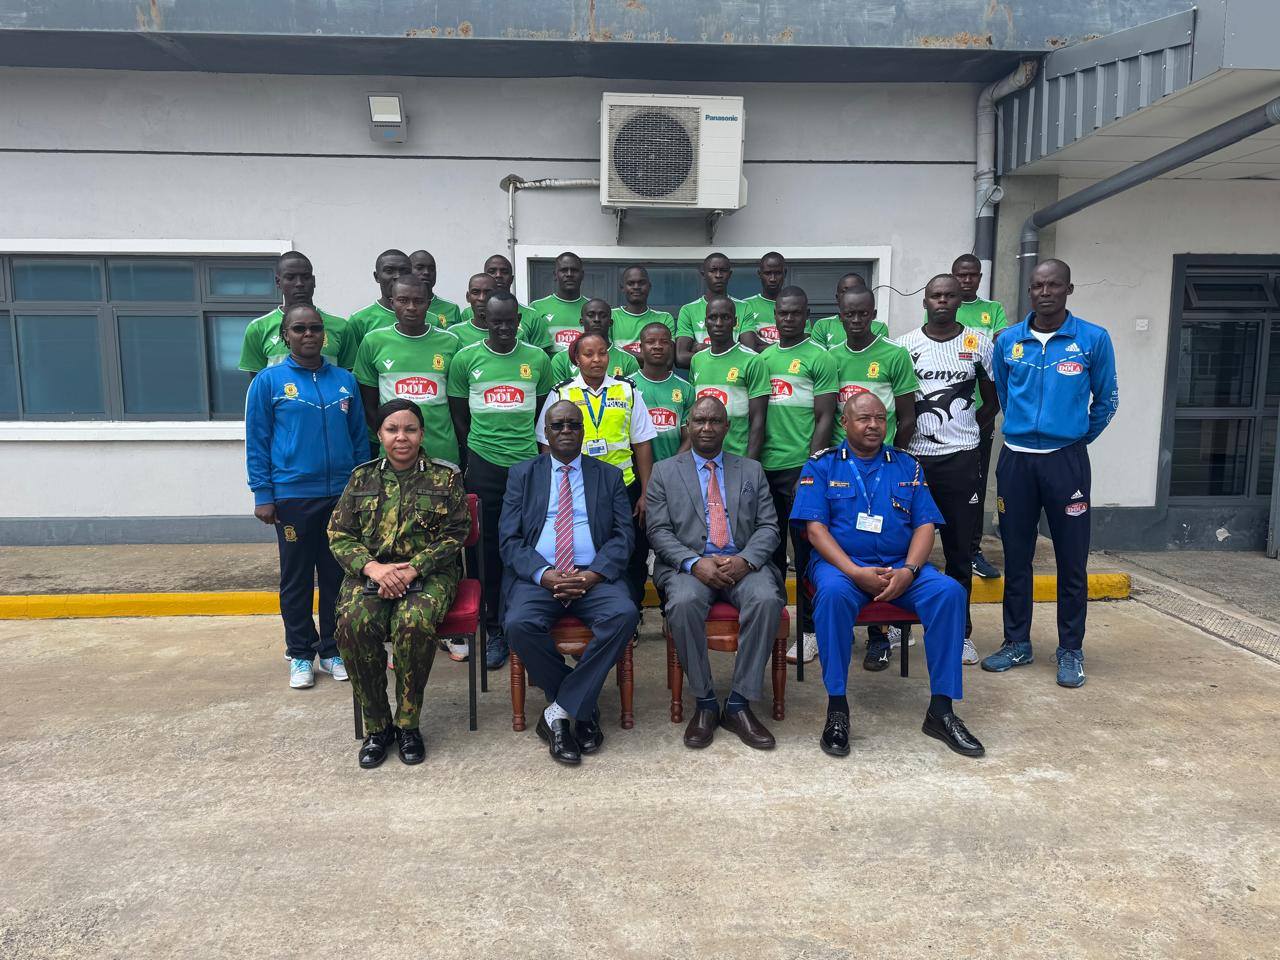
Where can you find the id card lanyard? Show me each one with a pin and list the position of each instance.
(868, 521)
(595, 447)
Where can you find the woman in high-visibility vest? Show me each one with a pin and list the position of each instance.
(616, 429)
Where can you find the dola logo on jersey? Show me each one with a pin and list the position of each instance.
(1069, 368)
(437, 362)
(504, 397)
(526, 371)
(291, 390)
(873, 369)
(768, 334)
(663, 419)
(781, 388)
(851, 390)
(632, 348)
(416, 388)
(970, 341)
(677, 395)
(1076, 509)
(794, 367)
(714, 392)
(1016, 352)
(566, 337)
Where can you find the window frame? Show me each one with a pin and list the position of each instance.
(158, 309)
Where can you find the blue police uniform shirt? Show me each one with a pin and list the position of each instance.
(584, 550)
(828, 492)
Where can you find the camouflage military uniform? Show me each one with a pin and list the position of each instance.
(421, 519)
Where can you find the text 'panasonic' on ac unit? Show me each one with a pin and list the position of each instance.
(671, 152)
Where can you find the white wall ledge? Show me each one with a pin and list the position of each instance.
(120, 430)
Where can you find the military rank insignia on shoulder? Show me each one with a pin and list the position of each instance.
(564, 383)
(447, 464)
(822, 453)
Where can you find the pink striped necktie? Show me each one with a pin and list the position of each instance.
(564, 524)
(717, 521)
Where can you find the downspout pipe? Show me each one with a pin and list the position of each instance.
(986, 193)
(511, 183)
(1223, 135)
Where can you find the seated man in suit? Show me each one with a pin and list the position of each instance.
(713, 529)
(565, 537)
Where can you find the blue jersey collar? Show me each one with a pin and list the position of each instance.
(1068, 328)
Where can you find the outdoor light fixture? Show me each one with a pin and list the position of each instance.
(387, 122)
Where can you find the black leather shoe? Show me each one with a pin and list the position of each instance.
(701, 729)
(412, 749)
(374, 749)
(835, 735)
(951, 730)
(588, 734)
(748, 728)
(564, 745)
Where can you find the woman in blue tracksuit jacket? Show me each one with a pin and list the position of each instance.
(1055, 374)
(304, 434)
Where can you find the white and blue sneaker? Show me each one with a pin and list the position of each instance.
(301, 674)
(334, 667)
(1070, 667)
(1010, 655)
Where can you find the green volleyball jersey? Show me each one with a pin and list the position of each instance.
(692, 319)
(532, 329)
(440, 312)
(502, 391)
(829, 332)
(264, 346)
(795, 376)
(621, 364)
(417, 369)
(733, 378)
(668, 401)
(468, 333)
(883, 368)
(563, 319)
(627, 327)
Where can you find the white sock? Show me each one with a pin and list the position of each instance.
(555, 712)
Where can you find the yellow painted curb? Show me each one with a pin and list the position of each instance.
(1102, 586)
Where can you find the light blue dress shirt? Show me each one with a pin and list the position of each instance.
(584, 550)
(704, 477)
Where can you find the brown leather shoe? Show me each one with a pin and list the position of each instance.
(748, 728)
(701, 729)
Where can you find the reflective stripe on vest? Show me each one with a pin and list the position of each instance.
(615, 424)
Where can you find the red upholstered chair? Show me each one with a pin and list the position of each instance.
(722, 634)
(571, 637)
(873, 614)
(464, 619)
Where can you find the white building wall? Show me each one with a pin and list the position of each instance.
(1121, 255)
(839, 165)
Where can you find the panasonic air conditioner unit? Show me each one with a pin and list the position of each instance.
(671, 152)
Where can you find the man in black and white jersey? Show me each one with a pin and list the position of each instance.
(949, 361)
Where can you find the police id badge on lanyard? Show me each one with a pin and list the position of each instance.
(597, 447)
(869, 522)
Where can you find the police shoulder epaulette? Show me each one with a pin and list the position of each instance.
(822, 453)
(564, 383)
(627, 380)
(449, 464)
(375, 461)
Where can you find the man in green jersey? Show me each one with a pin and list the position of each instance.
(829, 331)
(410, 360)
(561, 310)
(532, 327)
(868, 362)
(473, 327)
(732, 374)
(389, 265)
(799, 421)
(758, 329)
(691, 323)
(496, 388)
(667, 396)
(630, 319)
(441, 312)
(987, 316)
(596, 318)
(264, 345)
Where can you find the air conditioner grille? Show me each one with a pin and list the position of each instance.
(653, 153)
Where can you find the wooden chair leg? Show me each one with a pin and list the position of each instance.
(359, 716)
(627, 686)
(675, 680)
(903, 656)
(517, 693)
(780, 677)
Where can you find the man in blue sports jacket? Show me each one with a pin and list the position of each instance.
(1055, 374)
(304, 434)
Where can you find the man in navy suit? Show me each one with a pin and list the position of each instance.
(565, 537)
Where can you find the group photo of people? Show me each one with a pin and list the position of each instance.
(607, 446)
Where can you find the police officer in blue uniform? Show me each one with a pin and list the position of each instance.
(870, 520)
(1055, 374)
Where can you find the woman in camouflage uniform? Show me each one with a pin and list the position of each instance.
(397, 531)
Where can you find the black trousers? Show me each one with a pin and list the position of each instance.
(638, 565)
(488, 481)
(984, 471)
(303, 540)
(953, 480)
(782, 487)
(1058, 484)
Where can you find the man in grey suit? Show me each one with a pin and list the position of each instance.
(713, 530)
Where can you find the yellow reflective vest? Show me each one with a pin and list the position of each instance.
(606, 421)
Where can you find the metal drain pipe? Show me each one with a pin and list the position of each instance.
(1223, 135)
(511, 183)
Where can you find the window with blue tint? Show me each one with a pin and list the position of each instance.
(8, 371)
(151, 280)
(61, 360)
(227, 382)
(160, 365)
(234, 280)
(76, 280)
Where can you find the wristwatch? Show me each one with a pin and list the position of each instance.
(914, 568)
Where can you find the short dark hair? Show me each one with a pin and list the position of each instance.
(716, 254)
(388, 253)
(951, 277)
(501, 296)
(793, 291)
(395, 406)
(294, 308)
(291, 255)
(1059, 264)
(409, 280)
(966, 258)
(649, 326)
